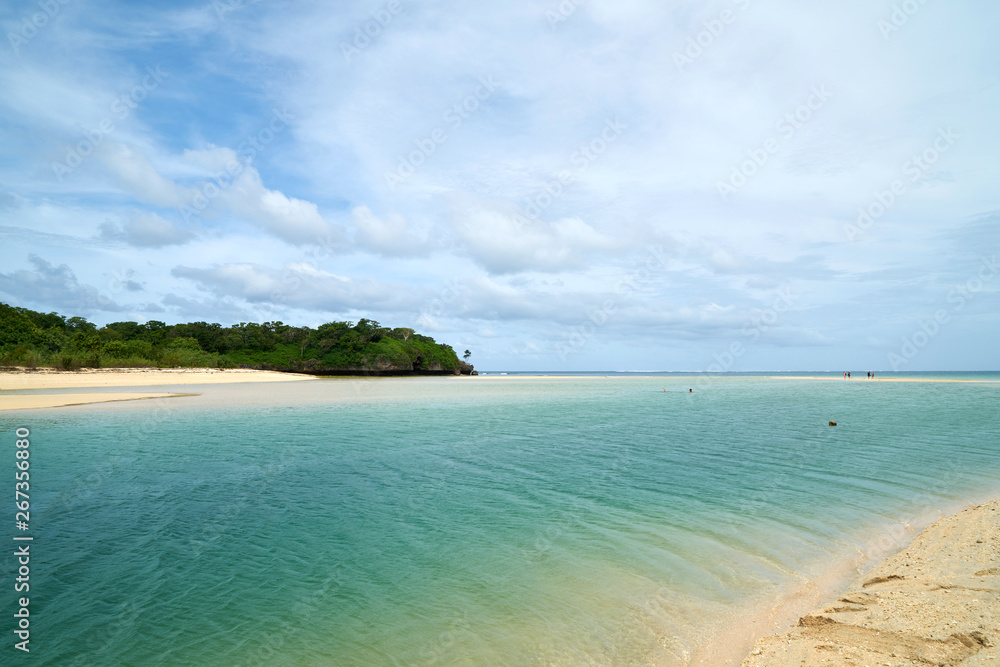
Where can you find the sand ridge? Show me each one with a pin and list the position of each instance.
(935, 603)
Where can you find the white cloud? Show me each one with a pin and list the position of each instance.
(505, 242)
(299, 285)
(52, 286)
(137, 175)
(145, 230)
(229, 186)
(293, 220)
(390, 236)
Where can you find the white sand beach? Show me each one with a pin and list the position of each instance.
(937, 602)
(22, 380)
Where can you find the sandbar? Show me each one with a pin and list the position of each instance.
(31, 401)
(937, 602)
(12, 382)
(136, 377)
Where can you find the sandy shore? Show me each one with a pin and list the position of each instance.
(135, 377)
(42, 379)
(935, 603)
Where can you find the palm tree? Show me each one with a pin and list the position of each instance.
(467, 355)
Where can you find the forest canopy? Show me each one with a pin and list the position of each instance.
(33, 339)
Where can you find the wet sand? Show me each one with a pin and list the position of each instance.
(935, 603)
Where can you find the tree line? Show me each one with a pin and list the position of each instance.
(34, 339)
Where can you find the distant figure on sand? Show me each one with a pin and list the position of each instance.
(848, 375)
(845, 375)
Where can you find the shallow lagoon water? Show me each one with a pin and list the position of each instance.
(514, 520)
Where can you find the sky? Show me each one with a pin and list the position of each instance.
(578, 185)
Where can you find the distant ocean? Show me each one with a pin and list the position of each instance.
(855, 375)
(468, 521)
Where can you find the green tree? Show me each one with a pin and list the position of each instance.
(80, 324)
(44, 321)
(123, 330)
(155, 331)
(38, 339)
(17, 327)
(401, 334)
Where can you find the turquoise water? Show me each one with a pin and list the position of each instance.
(441, 521)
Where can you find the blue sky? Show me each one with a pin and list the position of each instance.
(576, 185)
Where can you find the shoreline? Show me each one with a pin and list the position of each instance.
(936, 601)
(869, 544)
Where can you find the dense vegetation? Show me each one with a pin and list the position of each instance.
(33, 339)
